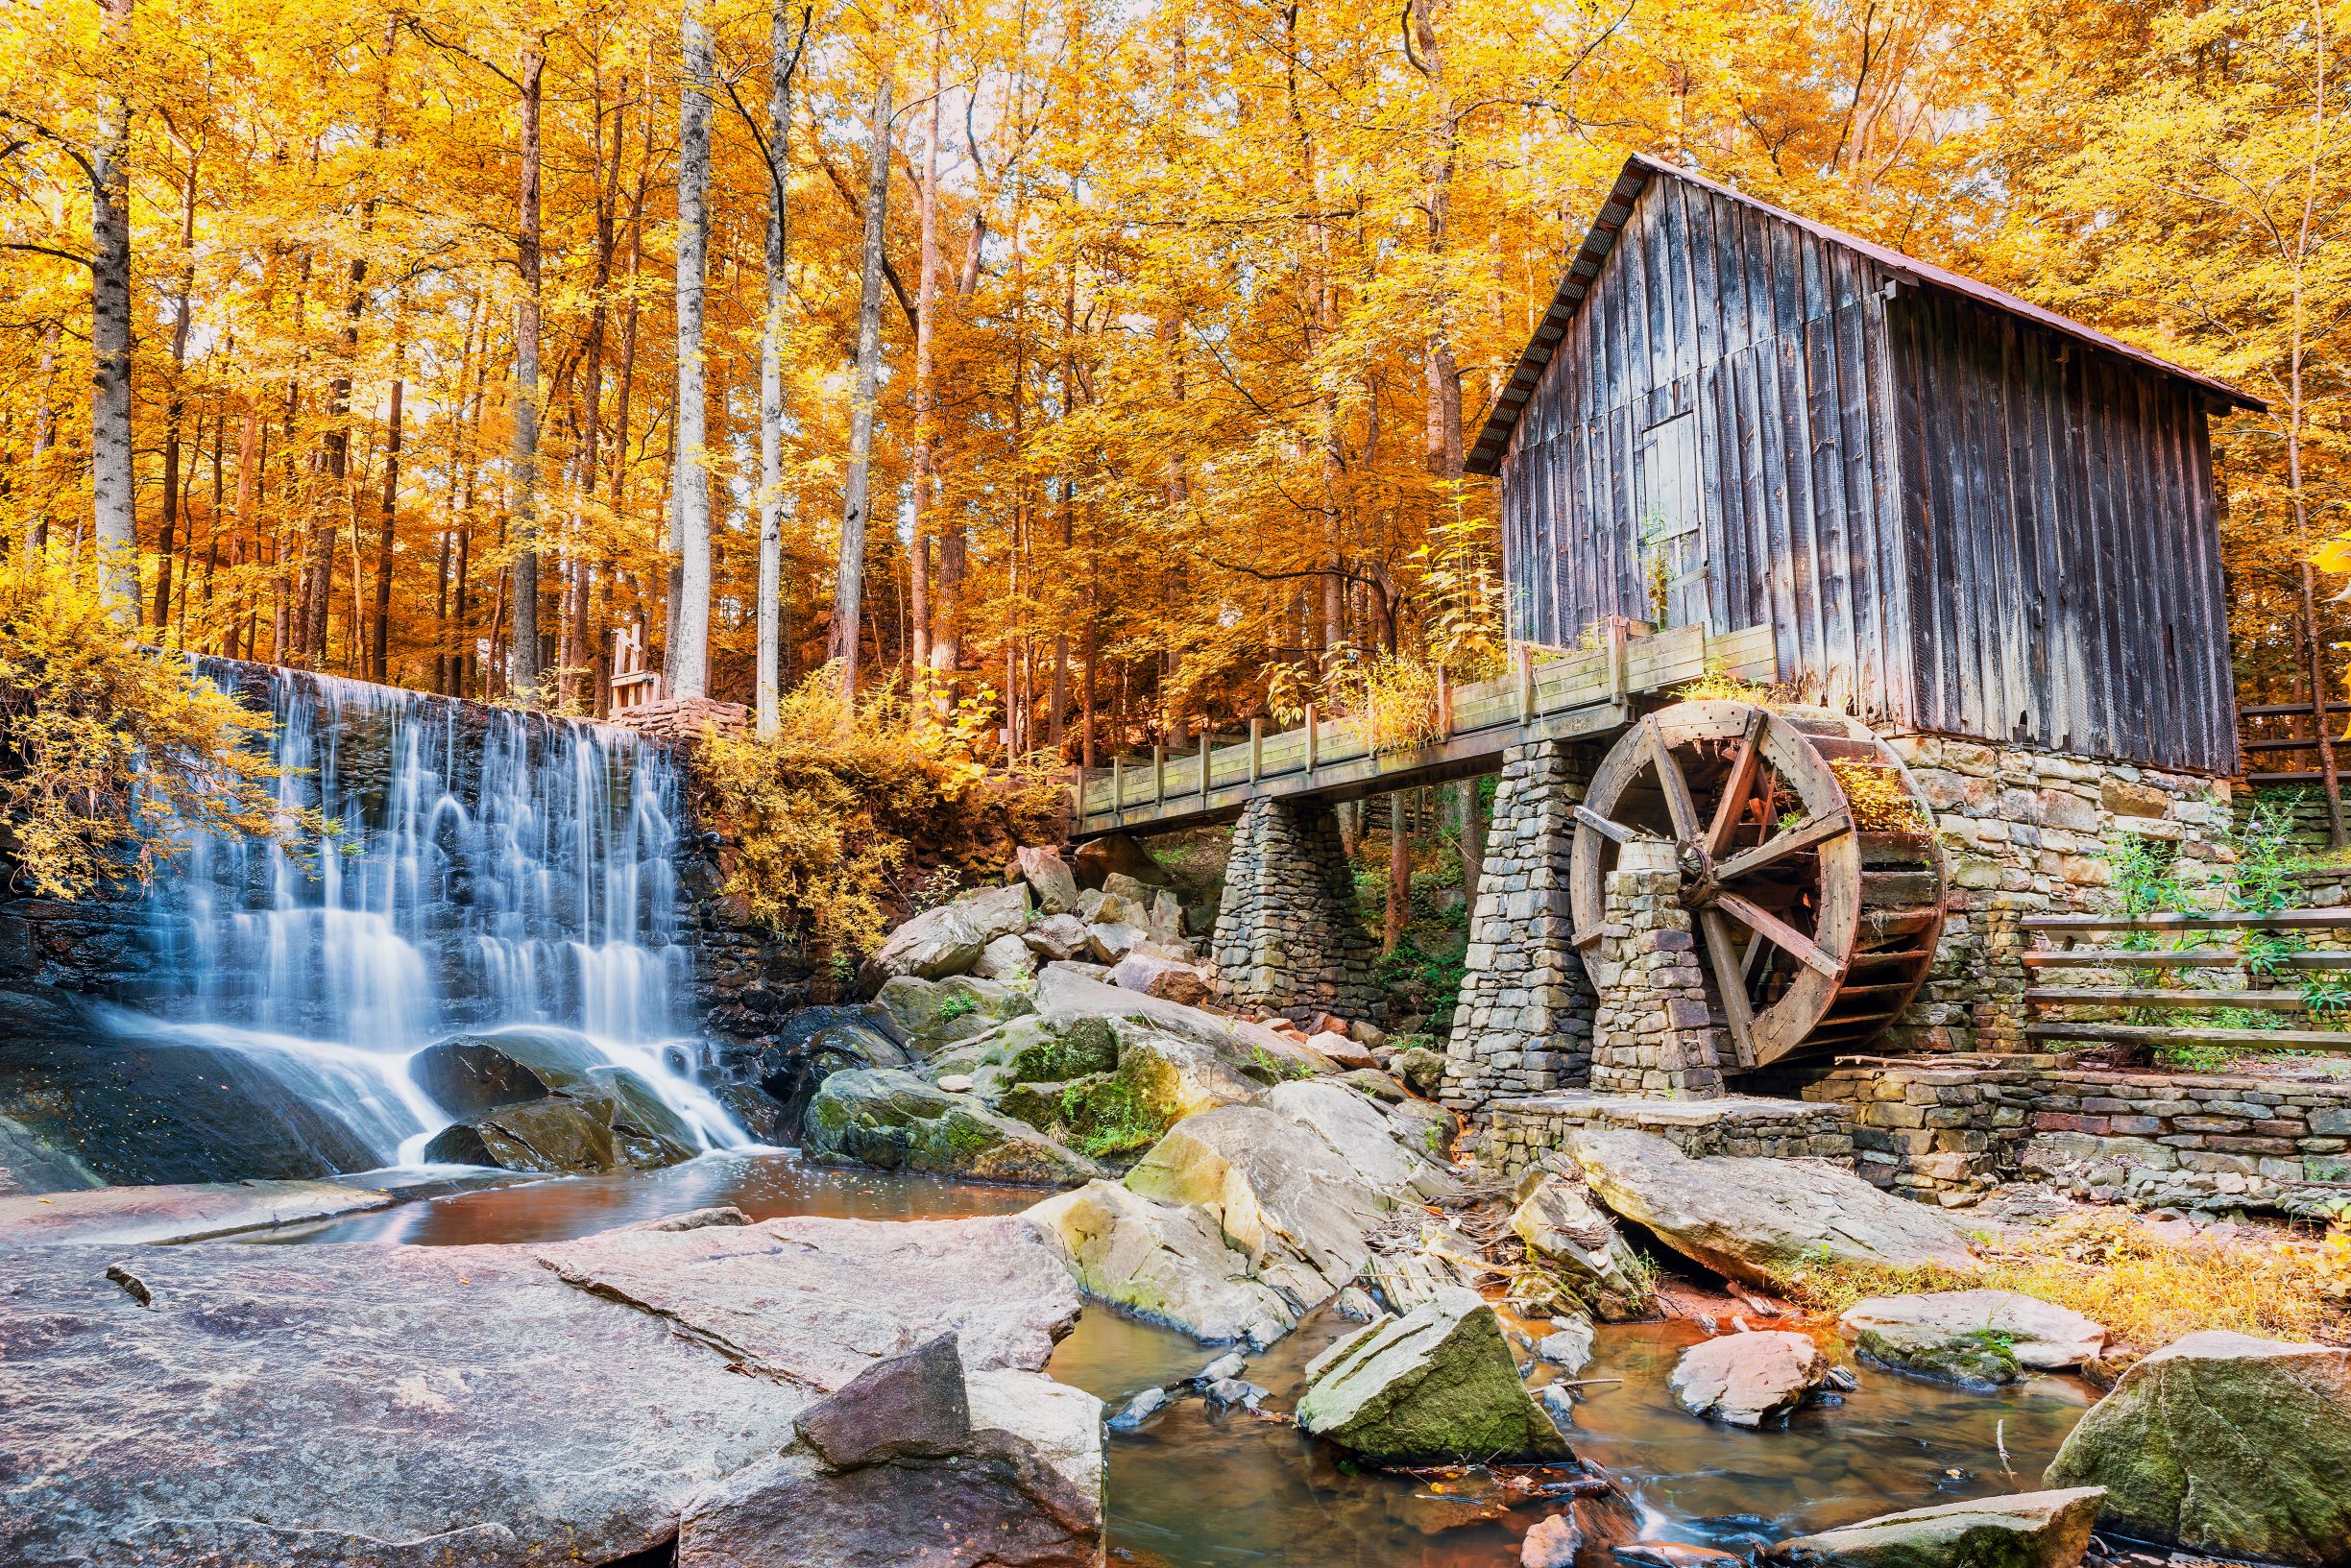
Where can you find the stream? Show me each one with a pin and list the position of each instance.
(1230, 1490)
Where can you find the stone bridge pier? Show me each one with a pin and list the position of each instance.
(1288, 937)
(1524, 1026)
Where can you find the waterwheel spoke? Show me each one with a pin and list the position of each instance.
(1616, 832)
(1781, 933)
(1678, 803)
(1739, 785)
(1803, 836)
(1730, 979)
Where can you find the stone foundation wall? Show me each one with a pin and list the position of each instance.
(1652, 1034)
(1288, 937)
(1520, 1131)
(2027, 833)
(1524, 1024)
(1946, 1128)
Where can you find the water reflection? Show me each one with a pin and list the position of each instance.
(763, 1184)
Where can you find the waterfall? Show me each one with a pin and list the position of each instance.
(484, 869)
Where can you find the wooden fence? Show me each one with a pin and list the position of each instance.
(2078, 977)
(2279, 742)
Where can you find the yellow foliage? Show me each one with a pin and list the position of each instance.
(112, 754)
(1390, 702)
(828, 815)
(2147, 1288)
(1719, 684)
(1877, 798)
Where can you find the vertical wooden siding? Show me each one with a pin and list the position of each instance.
(2065, 556)
(1774, 339)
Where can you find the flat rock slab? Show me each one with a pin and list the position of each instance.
(1747, 1380)
(1989, 1335)
(459, 1406)
(1766, 1222)
(2026, 1529)
(200, 1210)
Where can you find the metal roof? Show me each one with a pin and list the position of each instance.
(1494, 439)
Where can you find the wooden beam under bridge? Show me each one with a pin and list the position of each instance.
(1574, 696)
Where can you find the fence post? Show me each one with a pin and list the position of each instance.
(1313, 739)
(1256, 748)
(1208, 748)
(1159, 774)
(1118, 790)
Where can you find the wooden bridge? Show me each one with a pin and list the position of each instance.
(1548, 695)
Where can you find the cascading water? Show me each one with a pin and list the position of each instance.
(487, 869)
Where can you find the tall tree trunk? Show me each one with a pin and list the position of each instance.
(781, 58)
(379, 652)
(1473, 843)
(522, 655)
(926, 306)
(116, 529)
(176, 406)
(1399, 871)
(850, 588)
(44, 441)
(689, 641)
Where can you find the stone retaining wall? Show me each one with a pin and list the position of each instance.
(1652, 1035)
(1947, 1129)
(2027, 833)
(1519, 1131)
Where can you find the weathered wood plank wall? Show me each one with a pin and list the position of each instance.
(2065, 547)
(1953, 517)
(1771, 340)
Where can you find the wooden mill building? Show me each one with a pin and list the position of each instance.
(1958, 512)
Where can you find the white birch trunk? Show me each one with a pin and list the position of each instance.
(523, 641)
(116, 529)
(771, 378)
(688, 657)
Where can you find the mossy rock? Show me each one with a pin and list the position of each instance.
(1983, 1358)
(1098, 1114)
(1041, 1049)
(896, 1120)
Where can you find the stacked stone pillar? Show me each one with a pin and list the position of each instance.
(1288, 937)
(1524, 1023)
(1654, 1034)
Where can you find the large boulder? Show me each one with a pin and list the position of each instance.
(1094, 860)
(931, 1015)
(1048, 876)
(1253, 1047)
(1364, 1137)
(1005, 960)
(1972, 1337)
(1436, 1384)
(1158, 1080)
(1768, 1222)
(948, 940)
(1745, 1380)
(1056, 937)
(1283, 1198)
(1166, 1262)
(531, 1098)
(497, 1406)
(892, 1118)
(2224, 1443)
(1570, 1237)
(2026, 1529)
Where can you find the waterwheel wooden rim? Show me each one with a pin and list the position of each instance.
(1816, 906)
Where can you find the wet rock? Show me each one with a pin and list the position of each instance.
(1579, 1244)
(1552, 1543)
(1655, 1553)
(1557, 1403)
(759, 1113)
(1568, 1345)
(1226, 1393)
(1048, 876)
(2028, 1530)
(931, 1015)
(1141, 1408)
(557, 1134)
(1972, 1336)
(1230, 1365)
(894, 1119)
(1419, 1066)
(1288, 1202)
(1057, 936)
(147, 1215)
(948, 940)
(497, 1407)
(1062, 1424)
(2224, 1443)
(1165, 1262)
(1761, 1221)
(1436, 1383)
(1094, 860)
(1356, 1303)
(1745, 1380)
(1005, 960)
(1163, 977)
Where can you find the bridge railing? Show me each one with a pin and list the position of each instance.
(1542, 683)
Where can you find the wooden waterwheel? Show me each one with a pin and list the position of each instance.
(1807, 859)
